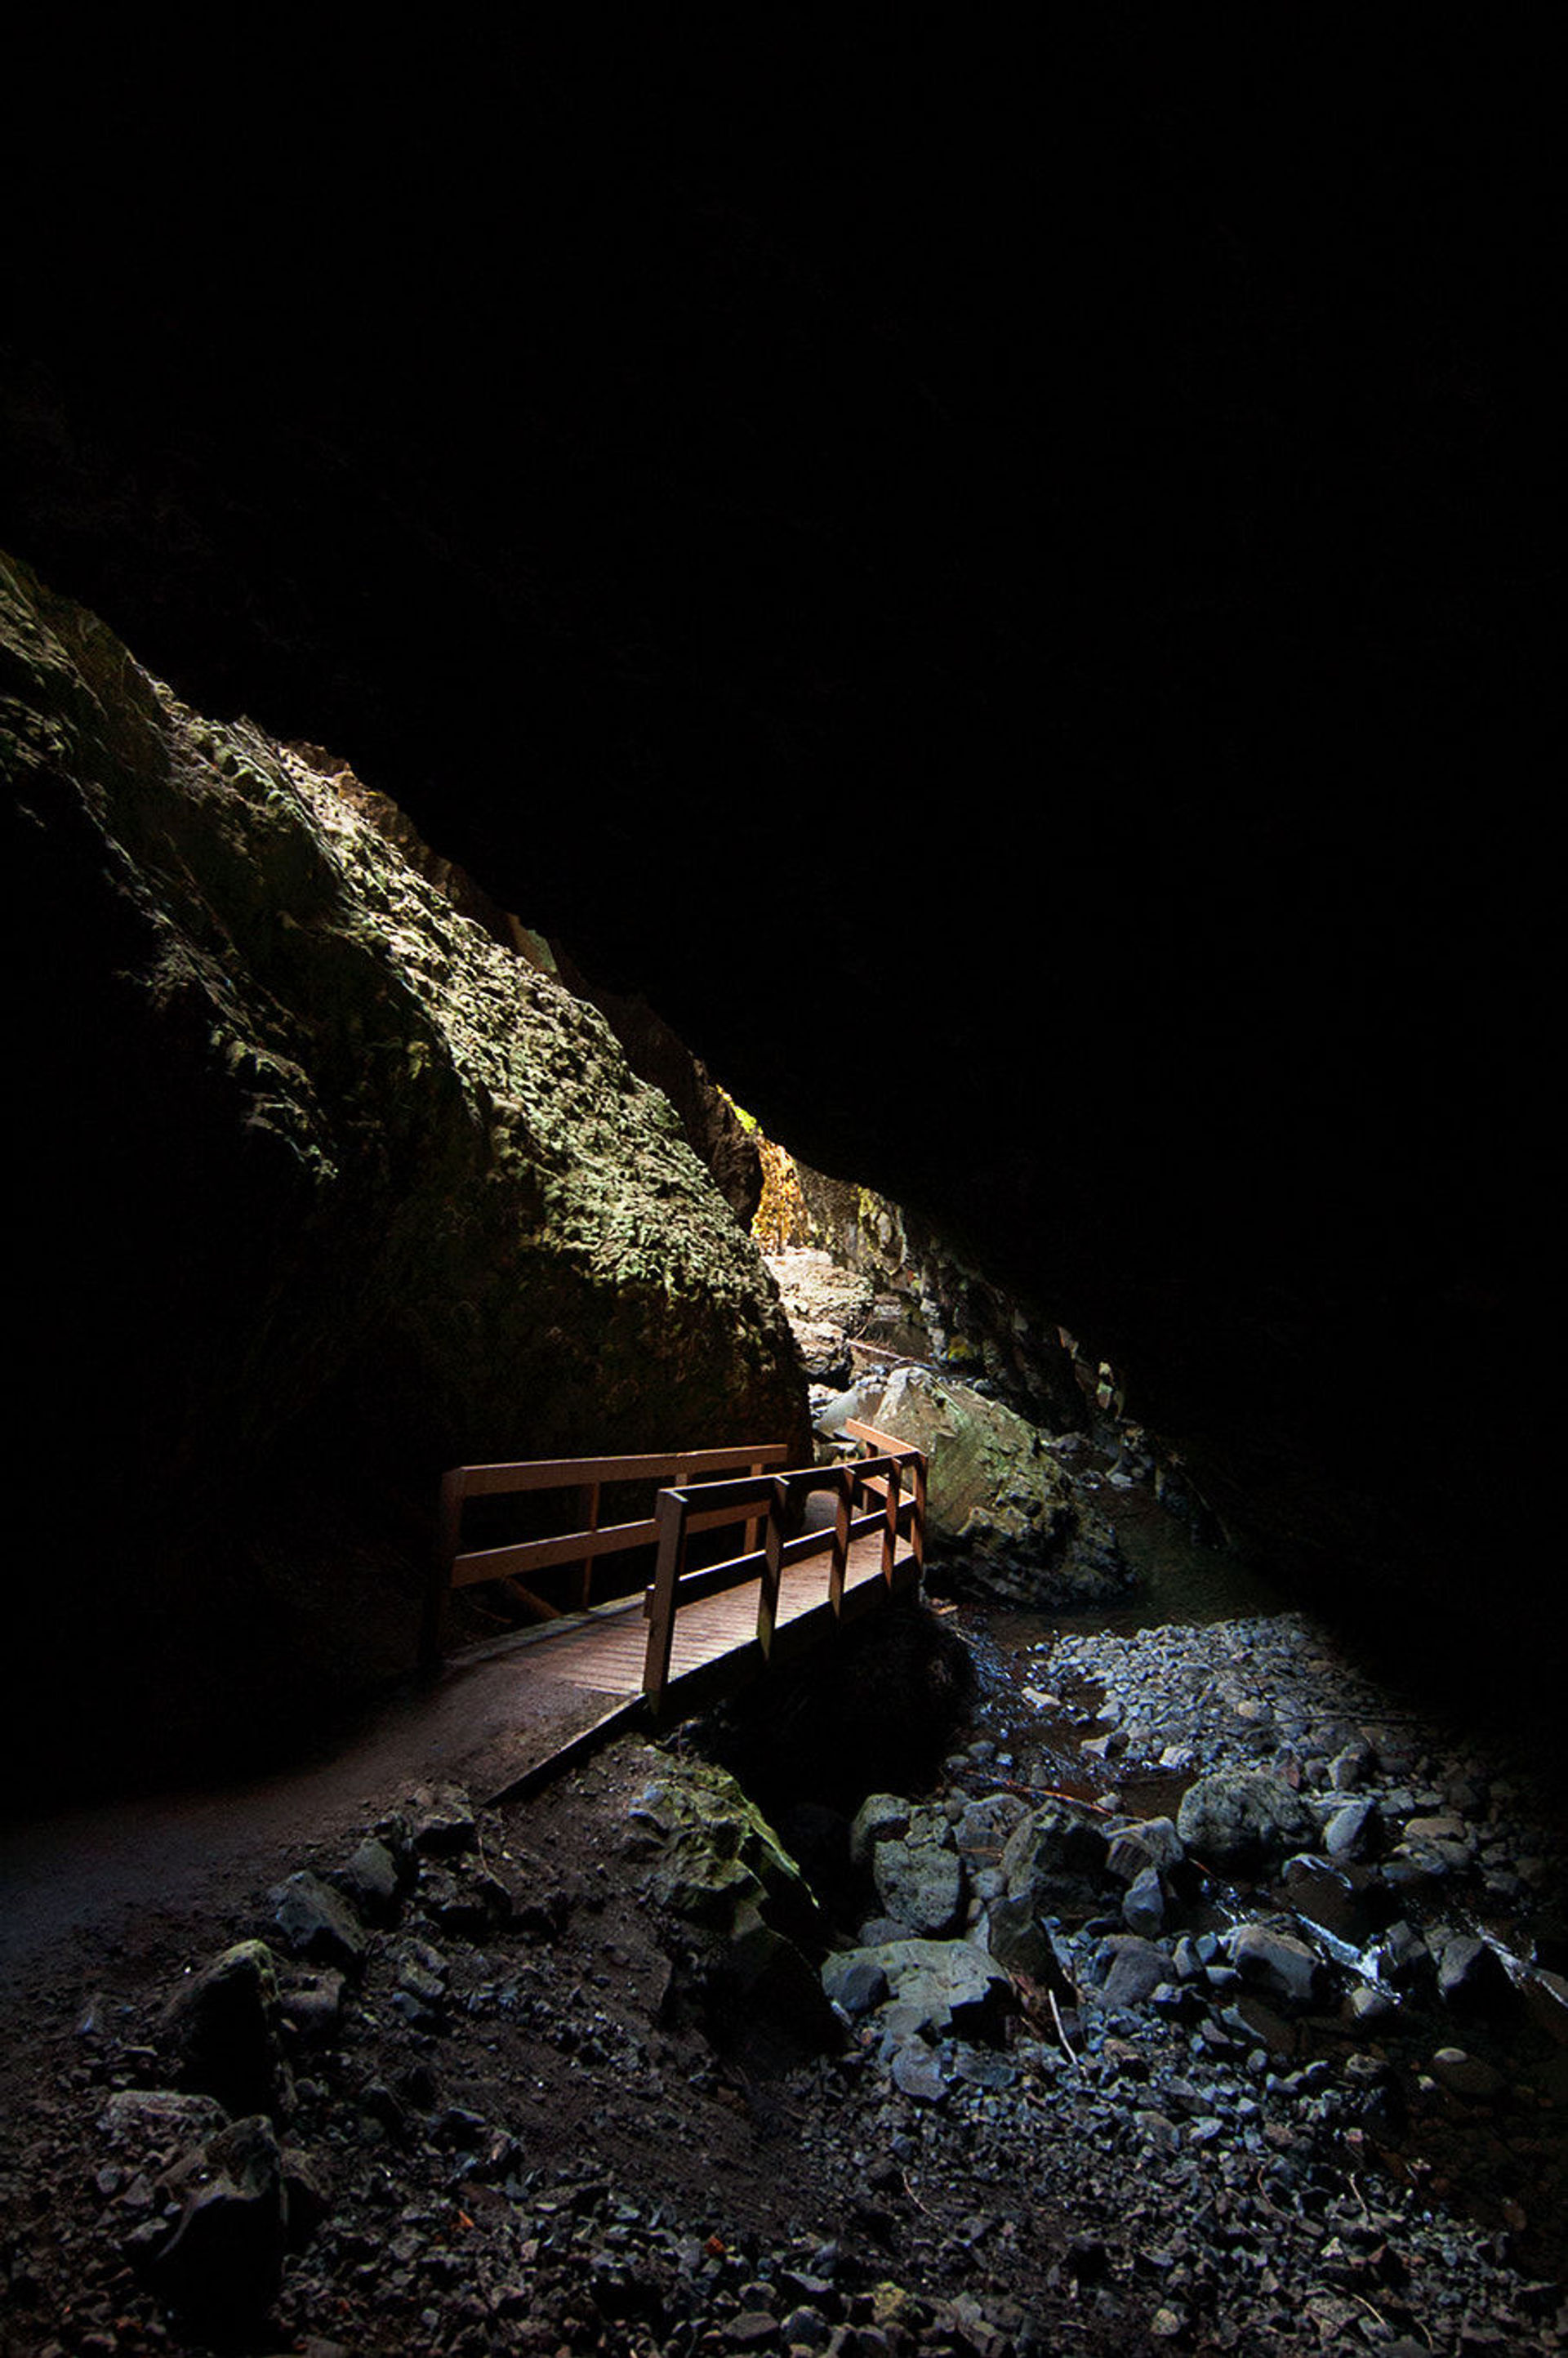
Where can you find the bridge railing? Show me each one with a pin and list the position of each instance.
(521, 1561)
(894, 1481)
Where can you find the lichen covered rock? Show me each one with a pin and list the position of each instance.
(1001, 1512)
(329, 1190)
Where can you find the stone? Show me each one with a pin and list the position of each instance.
(1130, 1970)
(441, 1821)
(223, 2027)
(985, 1825)
(1276, 1963)
(1061, 1842)
(1019, 1941)
(224, 2262)
(138, 2120)
(1143, 1908)
(370, 1880)
(921, 1885)
(1353, 1832)
(717, 1854)
(315, 1922)
(1242, 1818)
(882, 1817)
(1327, 1897)
(1467, 2076)
(917, 2073)
(854, 1983)
(312, 2003)
(941, 1988)
(1349, 1767)
(1472, 1977)
(1151, 1843)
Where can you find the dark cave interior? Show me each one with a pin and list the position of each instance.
(1034, 572)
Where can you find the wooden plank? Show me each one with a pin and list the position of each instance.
(882, 1444)
(535, 1555)
(608, 1652)
(564, 1473)
(540, 1607)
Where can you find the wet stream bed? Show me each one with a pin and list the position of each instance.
(1423, 1917)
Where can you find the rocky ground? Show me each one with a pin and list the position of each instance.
(1253, 2041)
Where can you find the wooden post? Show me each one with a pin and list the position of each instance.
(754, 1528)
(588, 1510)
(773, 1568)
(917, 1520)
(669, 1513)
(890, 1528)
(438, 1584)
(841, 1540)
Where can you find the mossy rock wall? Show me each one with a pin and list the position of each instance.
(324, 1190)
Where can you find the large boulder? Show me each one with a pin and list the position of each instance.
(1001, 1512)
(1242, 1818)
(741, 1905)
(935, 1989)
(327, 1190)
(713, 1853)
(1056, 1851)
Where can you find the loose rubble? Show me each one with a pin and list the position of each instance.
(1205, 2001)
(1175, 2059)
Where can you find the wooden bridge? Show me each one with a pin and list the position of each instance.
(695, 1631)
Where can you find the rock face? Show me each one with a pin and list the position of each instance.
(999, 1505)
(927, 1300)
(328, 1190)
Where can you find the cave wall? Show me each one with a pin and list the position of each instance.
(323, 1190)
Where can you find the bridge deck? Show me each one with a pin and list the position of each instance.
(715, 1648)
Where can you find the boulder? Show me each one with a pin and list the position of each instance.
(718, 1865)
(1151, 1843)
(1242, 1818)
(937, 1988)
(921, 1883)
(315, 1922)
(1000, 1511)
(1128, 1968)
(223, 2028)
(716, 1854)
(1276, 1963)
(224, 2262)
(1059, 1846)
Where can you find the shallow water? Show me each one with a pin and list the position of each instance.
(1178, 1580)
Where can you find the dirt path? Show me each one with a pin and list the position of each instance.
(192, 1853)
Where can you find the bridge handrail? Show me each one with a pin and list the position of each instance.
(452, 1568)
(679, 1512)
